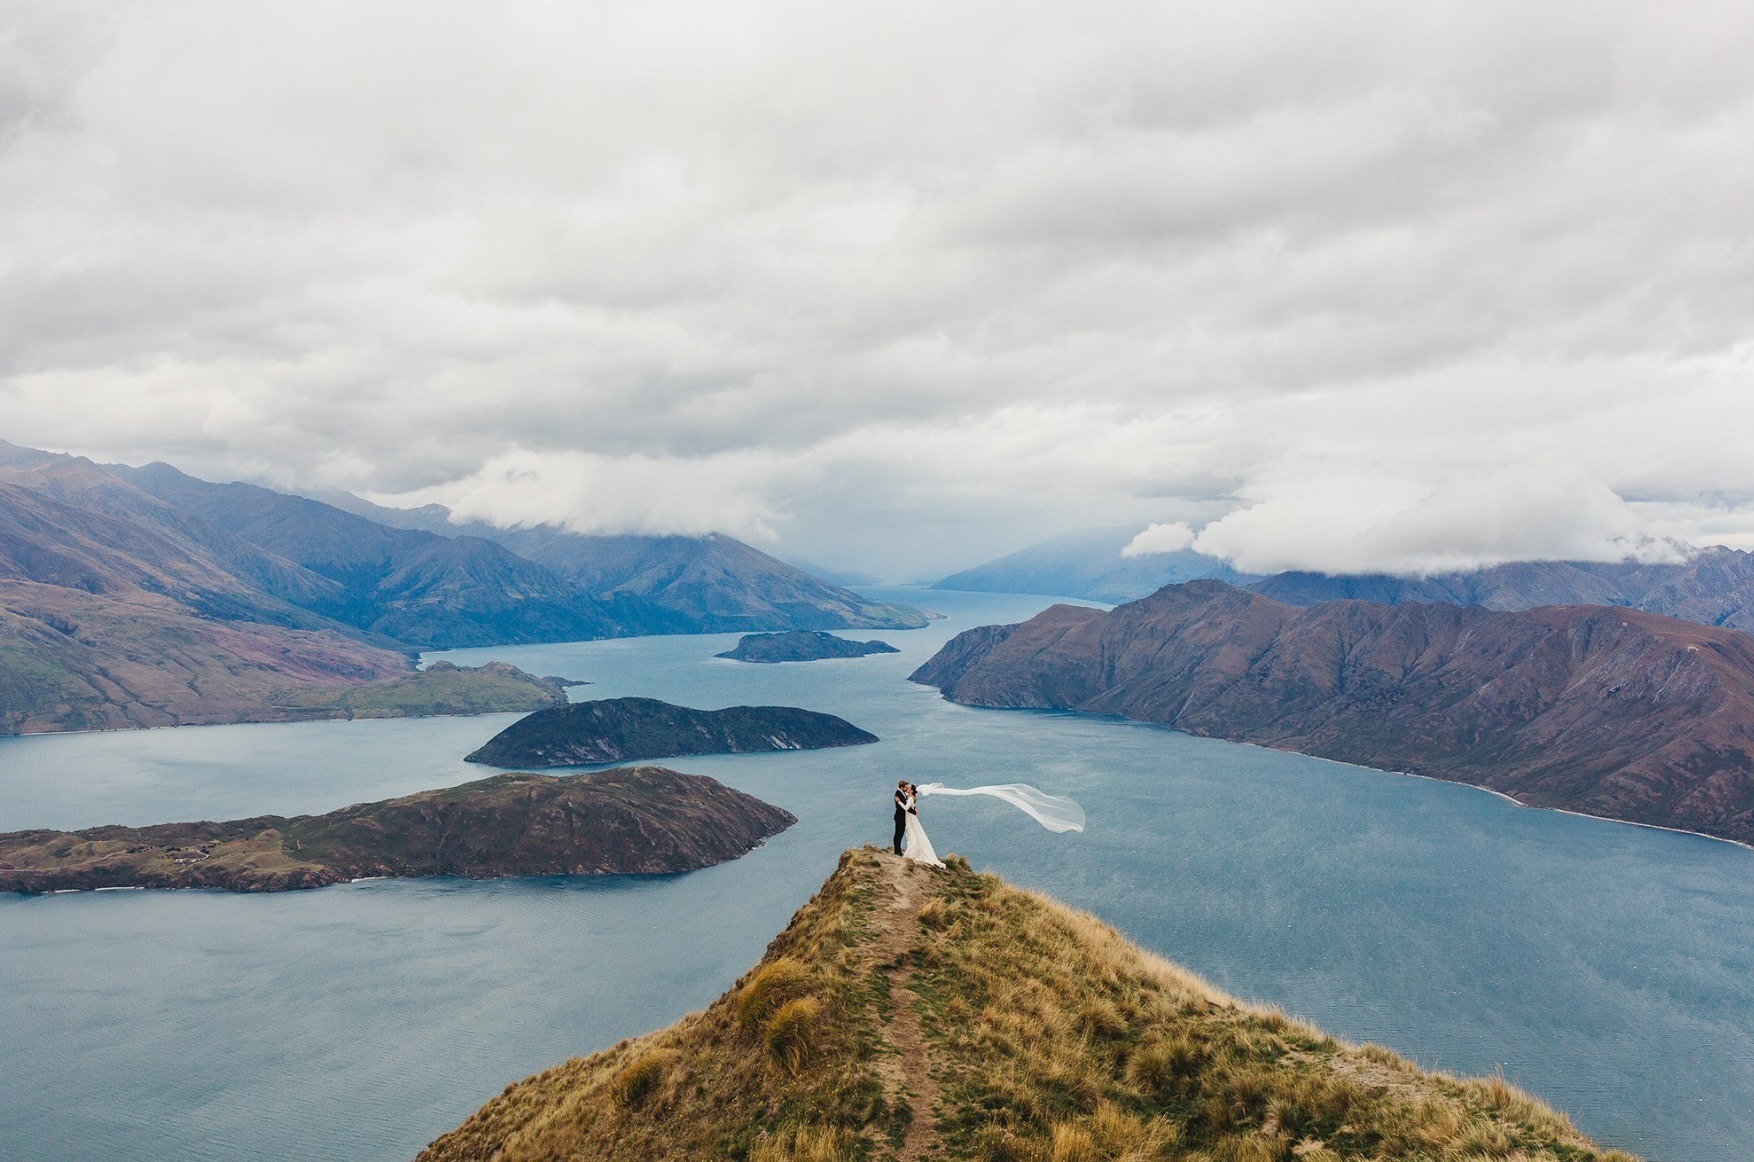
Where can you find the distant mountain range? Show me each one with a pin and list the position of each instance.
(147, 597)
(1714, 587)
(1612, 712)
(1088, 564)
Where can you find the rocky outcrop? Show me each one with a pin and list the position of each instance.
(1607, 711)
(618, 729)
(644, 819)
(801, 646)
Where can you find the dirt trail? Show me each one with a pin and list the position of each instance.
(908, 1074)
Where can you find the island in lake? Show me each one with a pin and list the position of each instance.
(640, 819)
(1606, 711)
(910, 1012)
(802, 645)
(616, 730)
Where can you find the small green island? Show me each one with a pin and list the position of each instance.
(637, 819)
(802, 645)
(442, 688)
(615, 730)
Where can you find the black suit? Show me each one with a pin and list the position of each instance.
(900, 819)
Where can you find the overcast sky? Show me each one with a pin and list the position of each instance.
(905, 286)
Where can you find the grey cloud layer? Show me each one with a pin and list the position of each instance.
(1353, 286)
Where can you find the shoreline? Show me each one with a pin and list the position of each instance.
(1512, 799)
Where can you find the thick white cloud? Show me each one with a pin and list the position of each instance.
(1159, 538)
(1343, 525)
(1362, 285)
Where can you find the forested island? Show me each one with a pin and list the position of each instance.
(617, 730)
(802, 646)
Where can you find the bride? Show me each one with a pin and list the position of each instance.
(1054, 812)
(916, 846)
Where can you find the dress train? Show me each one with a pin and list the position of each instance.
(915, 844)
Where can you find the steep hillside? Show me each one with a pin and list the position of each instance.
(67, 522)
(1088, 564)
(1715, 587)
(120, 610)
(645, 819)
(718, 583)
(418, 587)
(909, 1013)
(1612, 712)
(413, 575)
(73, 660)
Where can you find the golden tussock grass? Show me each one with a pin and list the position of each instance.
(1053, 1039)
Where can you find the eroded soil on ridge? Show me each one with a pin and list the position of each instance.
(907, 1075)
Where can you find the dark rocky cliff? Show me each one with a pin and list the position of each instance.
(1608, 711)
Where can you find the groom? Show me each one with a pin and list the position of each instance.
(900, 814)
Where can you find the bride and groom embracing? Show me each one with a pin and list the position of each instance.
(1054, 812)
(907, 826)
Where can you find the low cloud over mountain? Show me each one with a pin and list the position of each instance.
(905, 289)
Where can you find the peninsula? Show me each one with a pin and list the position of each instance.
(912, 1013)
(641, 819)
(802, 645)
(620, 729)
(1605, 711)
(441, 688)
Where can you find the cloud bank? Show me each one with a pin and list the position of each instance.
(1159, 538)
(1364, 286)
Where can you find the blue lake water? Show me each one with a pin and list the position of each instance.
(1603, 966)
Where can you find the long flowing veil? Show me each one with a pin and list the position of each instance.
(1054, 812)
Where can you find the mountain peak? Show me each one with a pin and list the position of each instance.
(908, 1013)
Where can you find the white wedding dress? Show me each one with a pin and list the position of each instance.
(915, 845)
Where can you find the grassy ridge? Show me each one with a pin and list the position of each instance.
(1046, 1035)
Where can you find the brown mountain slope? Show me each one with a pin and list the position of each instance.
(1612, 712)
(907, 1013)
(70, 523)
(433, 591)
(72, 660)
(118, 610)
